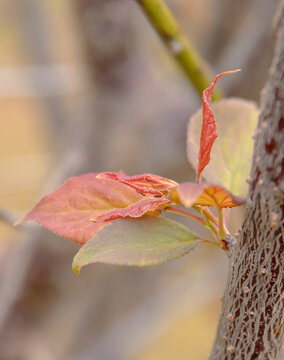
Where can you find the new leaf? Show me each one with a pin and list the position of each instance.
(209, 128)
(144, 183)
(232, 151)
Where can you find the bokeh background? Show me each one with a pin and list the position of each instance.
(86, 85)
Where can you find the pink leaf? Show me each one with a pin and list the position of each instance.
(209, 128)
(144, 183)
(67, 210)
(144, 206)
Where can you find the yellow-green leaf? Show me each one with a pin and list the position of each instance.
(146, 241)
(232, 151)
(189, 194)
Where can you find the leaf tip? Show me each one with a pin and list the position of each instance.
(76, 268)
(234, 71)
(20, 221)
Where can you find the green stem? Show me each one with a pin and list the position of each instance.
(221, 223)
(212, 228)
(194, 217)
(210, 242)
(205, 210)
(211, 221)
(195, 67)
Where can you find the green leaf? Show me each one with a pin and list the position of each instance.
(232, 151)
(145, 241)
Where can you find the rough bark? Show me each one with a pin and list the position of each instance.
(251, 320)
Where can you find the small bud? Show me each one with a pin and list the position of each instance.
(257, 132)
(252, 312)
(274, 217)
(248, 180)
(230, 348)
(260, 182)
(246, 290)
(271, 70)
(263, 271)
(176, 47)
(264, 125)
(229, 317)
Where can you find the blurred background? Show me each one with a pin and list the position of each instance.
(86, 85)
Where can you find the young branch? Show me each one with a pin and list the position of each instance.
(166, 26)
(8, 217)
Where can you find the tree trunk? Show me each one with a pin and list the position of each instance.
(251, 320)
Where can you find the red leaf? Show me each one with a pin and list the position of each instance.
(190, 194)
(67, 210)
(145, 206)
(209, 128)
(144, 183)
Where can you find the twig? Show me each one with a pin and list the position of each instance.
(19, 259)
(247, 41)
(7, 216)
(166, 26)
(56, 79)
(15, 270)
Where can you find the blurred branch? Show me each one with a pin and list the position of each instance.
(7, 216)
(166, 26)
(56, 79)
(146, 322)
(34, 27)
(228, 16)
(20, 257)
(248, 42)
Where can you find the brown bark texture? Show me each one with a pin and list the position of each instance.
(251, 320)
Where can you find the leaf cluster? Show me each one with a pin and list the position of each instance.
(119, 219)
